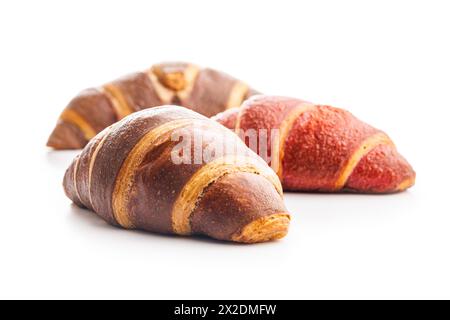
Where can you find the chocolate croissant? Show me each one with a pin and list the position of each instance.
(171, 170)
(206, 91)
(320, 148)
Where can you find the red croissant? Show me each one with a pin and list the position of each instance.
(321, 148)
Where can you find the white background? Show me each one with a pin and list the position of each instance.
(386, 61)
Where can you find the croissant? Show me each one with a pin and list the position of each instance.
(131, 175)
(206, 91)
(320, 148)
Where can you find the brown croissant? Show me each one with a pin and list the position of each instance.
(206, 91)
(128, 176)
(321, 148)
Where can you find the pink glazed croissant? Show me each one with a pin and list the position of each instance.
(321, 148)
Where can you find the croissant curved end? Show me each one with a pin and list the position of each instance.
(66, 136)
(268, 228)
(406, 184)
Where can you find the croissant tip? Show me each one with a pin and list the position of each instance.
(268, 228)
(406, 184)
(65, 136)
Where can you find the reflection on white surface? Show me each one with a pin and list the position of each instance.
(339, 245)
